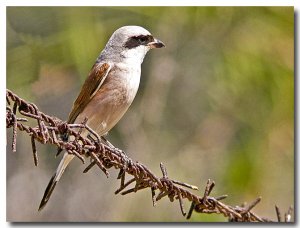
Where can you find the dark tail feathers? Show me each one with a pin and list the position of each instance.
(48, 192)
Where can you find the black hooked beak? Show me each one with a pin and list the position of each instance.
(156, 44)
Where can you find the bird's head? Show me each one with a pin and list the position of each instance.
(131, 43)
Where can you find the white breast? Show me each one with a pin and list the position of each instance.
(129, 79)
(112, 99)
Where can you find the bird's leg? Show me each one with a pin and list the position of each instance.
(108, 143)
(125, 158)
(64, 138)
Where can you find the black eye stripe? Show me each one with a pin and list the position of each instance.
(135, 41)
(144, 39)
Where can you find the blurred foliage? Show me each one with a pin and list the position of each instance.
(217, 102)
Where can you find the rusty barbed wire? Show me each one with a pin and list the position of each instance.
(51, 130)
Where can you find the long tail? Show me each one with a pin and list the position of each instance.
(55, 178)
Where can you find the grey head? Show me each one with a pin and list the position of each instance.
(129, 44)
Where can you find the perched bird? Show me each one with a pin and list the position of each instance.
(110, 87)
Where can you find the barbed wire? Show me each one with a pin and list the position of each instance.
(51, 130)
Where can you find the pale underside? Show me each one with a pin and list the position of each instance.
(111, 100)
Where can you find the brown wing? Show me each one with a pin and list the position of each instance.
(90, 86)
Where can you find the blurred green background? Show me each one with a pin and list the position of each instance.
(217, 102)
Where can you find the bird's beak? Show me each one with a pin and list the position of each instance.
(156, 44)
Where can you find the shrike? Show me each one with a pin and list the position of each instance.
(110, 87)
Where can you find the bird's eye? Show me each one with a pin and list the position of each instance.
(143, 39)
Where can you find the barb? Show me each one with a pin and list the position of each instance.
(51, 130)
(35, 157)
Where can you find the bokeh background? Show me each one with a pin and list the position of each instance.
(217, 102)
